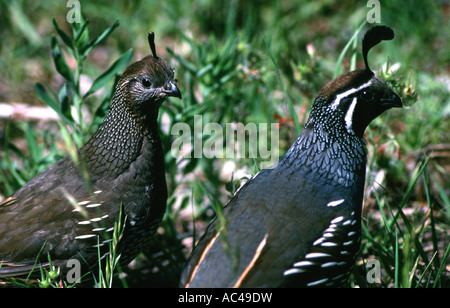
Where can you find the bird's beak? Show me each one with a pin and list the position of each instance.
(171, 89)
(392, 101)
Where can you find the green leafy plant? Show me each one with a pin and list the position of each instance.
(111, 266)
(78, 46)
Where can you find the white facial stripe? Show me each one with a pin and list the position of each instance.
(347, 93)
(349, 116)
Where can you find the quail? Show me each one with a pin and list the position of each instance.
(298, 224)
(68, 211)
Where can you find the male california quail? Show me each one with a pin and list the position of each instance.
(298, 224)
(69, 215)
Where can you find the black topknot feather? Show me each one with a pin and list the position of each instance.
(151, 43)
(373, 37)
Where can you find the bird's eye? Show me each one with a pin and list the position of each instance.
(146, 83)
(366, 95)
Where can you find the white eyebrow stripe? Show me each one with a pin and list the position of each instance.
(338, 98)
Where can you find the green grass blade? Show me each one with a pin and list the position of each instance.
(441, 267)
(290, 104)
(347, 46)
(397, 262)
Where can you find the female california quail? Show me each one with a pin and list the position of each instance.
(69, 210)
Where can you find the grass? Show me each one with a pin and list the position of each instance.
(248, 62)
